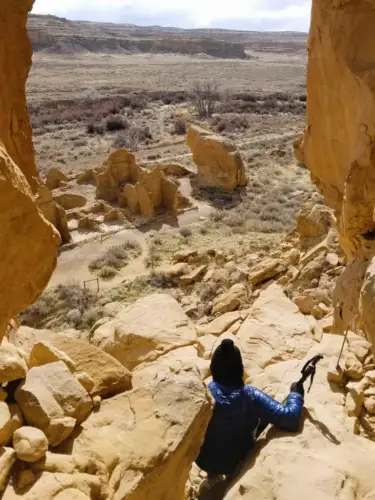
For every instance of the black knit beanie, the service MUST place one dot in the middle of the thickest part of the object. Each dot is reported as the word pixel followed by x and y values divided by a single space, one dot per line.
pixel 226 365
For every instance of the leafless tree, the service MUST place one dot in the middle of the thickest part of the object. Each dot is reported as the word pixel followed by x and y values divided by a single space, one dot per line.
pixel 205 96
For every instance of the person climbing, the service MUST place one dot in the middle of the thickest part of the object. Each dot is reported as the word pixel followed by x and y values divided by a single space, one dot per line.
pixel 240 414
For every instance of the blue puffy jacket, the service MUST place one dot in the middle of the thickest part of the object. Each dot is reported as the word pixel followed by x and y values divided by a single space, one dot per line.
pixel 237 416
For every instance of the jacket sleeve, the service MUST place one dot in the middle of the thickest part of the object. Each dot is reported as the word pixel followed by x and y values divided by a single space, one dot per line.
pixel 286 417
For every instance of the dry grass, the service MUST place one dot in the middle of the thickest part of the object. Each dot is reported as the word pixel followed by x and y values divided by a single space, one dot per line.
pixel 270 203
pixel 115 258
pixel 141 286
pixel 90 75
pixel 69 115
pixel 65 306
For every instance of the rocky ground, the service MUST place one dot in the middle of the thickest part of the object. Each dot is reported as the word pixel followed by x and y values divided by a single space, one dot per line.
pixel 274 300
pixel 174 246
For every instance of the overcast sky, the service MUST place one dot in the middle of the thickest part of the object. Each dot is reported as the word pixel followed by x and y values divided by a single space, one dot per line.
pixel 236 14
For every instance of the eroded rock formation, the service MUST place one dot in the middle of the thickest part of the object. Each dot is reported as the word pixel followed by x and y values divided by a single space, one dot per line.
pixel 53 212
pixel 145 191
pixel 338 144
pixel 219 162
pixel 28 243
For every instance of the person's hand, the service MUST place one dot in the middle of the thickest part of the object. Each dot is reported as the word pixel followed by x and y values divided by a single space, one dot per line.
pixel 297 387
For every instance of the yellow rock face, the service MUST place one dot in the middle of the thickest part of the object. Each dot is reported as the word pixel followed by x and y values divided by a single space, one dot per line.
pixel 339 137
pixel 219 162
pixel 28 244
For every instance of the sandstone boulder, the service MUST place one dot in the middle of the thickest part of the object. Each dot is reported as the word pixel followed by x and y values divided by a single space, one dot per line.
pixel 160 434
pixel 30 444
pixel 230 300
pixel 12 364
pixel 52 400
pixel 55 179
pixel 274 331
pixel 176 270
pixel 220 324
pixel 354 398
pixel 145 331
pixel 16 417
pixel 50 486
pixel 25 478
pixel 184 255
pixel 194 275
pixel 7 458
pixel 5 424
pixel 219 162
pixel 353 368
pixel 359 346
pixel 265 270
pixel 109 376
pixel 43 353
pixel 172 362
pixel 313 222
pixel 86 381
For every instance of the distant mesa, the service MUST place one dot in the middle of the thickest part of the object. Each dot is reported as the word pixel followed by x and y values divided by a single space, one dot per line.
pixel 57 35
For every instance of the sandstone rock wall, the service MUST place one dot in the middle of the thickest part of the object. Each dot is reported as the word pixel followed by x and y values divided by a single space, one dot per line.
pixel 15 57
pixel 339 137
pixel 27 242
pixel 53 212
pixel 338 144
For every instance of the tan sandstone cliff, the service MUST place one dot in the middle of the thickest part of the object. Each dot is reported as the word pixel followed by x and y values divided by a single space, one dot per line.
pixel 27 242
pixel 338 145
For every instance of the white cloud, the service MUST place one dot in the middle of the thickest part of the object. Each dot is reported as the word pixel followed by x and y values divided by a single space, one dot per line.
pixel 242 14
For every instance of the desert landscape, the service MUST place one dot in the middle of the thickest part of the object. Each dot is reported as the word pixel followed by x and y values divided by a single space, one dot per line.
pixel 162 190
pixel 146 103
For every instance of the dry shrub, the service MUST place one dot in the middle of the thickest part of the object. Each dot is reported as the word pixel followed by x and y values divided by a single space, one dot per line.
pixel 116 122
pixel 272 103
pixel 143 285
pixel 53 307
pixel 230 124
pixel 107 272
pixel 95 128
pixel 186 232
pixel 115 258
pixel 205 98
pixel 179 126
pixel 128 140
pixel 131 137
pixel 84 110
